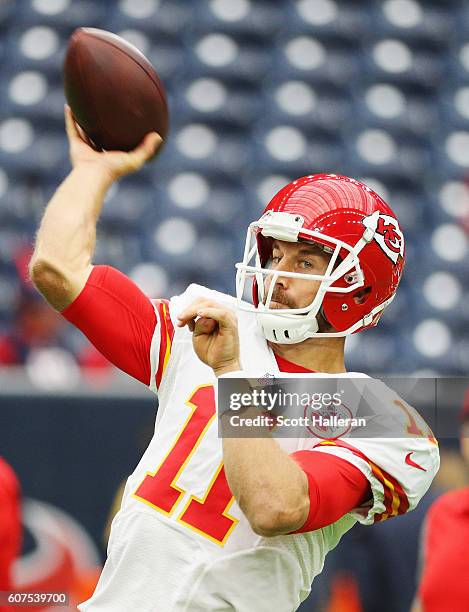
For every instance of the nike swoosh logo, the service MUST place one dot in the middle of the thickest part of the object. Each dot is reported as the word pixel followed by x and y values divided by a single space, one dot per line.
pixel 409 461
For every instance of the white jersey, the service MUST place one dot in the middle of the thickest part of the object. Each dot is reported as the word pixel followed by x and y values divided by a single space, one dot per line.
pixel 180 542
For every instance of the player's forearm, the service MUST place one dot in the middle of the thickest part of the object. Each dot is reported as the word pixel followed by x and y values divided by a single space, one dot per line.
pixel 68 229
pixel 66 238
pixel 270 488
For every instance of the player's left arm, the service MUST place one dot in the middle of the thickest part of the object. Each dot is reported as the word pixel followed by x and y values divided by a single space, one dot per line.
pixel 278 493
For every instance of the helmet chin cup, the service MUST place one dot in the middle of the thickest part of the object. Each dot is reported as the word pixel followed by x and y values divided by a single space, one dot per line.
pixel 286 330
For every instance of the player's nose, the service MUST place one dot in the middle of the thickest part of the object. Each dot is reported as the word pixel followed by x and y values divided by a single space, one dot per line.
pixel 283 281
pixel 279 281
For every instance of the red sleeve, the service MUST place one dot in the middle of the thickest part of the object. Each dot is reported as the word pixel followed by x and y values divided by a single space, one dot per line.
pixel 118 319
pixel 335 487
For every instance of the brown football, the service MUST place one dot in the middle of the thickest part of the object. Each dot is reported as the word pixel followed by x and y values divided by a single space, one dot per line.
pixel 114 92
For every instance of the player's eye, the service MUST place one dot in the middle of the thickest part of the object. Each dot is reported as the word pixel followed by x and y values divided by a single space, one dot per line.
pixel 276 259
pixel 304 263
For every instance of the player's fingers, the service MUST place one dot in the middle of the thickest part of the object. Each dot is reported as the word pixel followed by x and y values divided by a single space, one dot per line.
pixel 190 312
pixel 74 131
pixel 84 136
pixel 70 125
pixel 148 147
pixel 204 326
pixel 152 141
pixel 224 317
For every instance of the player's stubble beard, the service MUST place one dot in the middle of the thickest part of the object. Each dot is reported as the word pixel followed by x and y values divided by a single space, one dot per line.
pixel 283 300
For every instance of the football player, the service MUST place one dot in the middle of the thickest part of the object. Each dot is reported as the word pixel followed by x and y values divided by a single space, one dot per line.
pixel 236 524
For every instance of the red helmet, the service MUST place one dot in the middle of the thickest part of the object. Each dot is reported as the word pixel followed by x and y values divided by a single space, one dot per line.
pixel 350 221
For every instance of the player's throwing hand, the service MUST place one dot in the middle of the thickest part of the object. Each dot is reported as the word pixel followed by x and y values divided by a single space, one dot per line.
pixel 115 163
pixel 214 335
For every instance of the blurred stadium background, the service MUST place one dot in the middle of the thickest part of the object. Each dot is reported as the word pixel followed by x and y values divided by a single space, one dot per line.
pixel 260 92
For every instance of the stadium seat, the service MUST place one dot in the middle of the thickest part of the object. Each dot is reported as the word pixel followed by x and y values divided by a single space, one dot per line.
pixel 260 93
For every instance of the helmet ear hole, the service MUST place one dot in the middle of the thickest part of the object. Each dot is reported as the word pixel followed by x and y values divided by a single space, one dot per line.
pixel 361 296
pixel 255 293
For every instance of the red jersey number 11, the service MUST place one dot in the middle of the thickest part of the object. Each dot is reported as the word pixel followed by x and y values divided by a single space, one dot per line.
pixel 208 515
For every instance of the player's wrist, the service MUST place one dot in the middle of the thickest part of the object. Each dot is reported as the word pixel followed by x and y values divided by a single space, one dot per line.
pixel 100 173
pixel 229 369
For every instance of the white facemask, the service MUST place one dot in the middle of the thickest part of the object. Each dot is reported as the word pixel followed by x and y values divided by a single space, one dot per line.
pixel 293 325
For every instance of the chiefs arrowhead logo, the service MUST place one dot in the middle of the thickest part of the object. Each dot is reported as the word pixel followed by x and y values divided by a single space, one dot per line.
pixel 387 234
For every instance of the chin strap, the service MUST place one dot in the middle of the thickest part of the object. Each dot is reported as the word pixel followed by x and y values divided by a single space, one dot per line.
pixel 286 331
